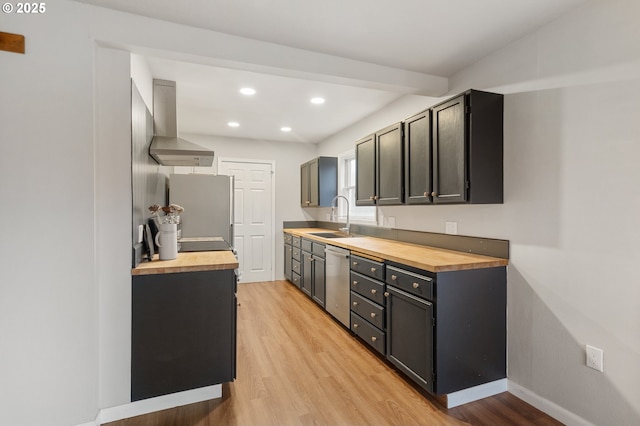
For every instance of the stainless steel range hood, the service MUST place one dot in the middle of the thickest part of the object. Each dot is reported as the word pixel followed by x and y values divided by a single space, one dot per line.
pixel 166 148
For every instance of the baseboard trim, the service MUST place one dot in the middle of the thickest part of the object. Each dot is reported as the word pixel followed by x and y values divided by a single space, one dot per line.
pixel 159 403
pixel 562 415
pixel 475 393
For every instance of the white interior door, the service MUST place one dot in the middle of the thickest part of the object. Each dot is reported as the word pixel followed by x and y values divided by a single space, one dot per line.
pixel 253 217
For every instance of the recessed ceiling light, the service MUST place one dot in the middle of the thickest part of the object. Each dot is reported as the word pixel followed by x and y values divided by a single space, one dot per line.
pixel 233 124
pixel 248 91
pixel 285 129
pixel 317 101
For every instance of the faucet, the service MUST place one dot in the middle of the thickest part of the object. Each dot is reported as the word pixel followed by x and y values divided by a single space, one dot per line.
pixel 346 228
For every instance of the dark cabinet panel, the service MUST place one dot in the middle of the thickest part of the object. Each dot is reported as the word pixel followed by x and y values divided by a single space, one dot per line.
pixel 319 280
pixel 307 273
pixel 389 165
pixel 183 332
pixel 313 278
pixel 417 158
pixel 410 336
pixel 467 134
pixel 366 171
pixel 318 182
pixel 288 261
pixel 379 168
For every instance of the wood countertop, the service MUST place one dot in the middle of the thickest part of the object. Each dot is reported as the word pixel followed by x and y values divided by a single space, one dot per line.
pixel 189 262
pixel 423 257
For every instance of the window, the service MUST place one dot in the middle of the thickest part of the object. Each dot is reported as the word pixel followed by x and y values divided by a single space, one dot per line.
pixel 347 188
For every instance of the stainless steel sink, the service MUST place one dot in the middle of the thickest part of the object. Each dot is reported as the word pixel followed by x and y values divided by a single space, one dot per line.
pixel 329 234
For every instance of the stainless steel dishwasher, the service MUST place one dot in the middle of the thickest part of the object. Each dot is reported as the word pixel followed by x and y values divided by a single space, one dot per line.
pixel 337 279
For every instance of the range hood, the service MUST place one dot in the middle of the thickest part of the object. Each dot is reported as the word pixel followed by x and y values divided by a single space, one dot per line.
pixel 166 148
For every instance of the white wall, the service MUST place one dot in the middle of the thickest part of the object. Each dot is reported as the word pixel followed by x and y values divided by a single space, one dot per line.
pixel 572 102
pixel 48 293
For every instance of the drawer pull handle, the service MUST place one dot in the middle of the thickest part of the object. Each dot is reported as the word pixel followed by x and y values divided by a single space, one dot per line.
pixel 355 303
pixel 355 325
pixel 374 338
pixel 374 291
pixel 426 194
pixel 373 314
pixel 373 269
pixel 394 278
pixel 416 285
pixel 386 294
pixel 355 283
pixel 355 263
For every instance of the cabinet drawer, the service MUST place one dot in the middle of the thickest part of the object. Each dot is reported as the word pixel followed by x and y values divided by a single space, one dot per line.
pixel 410 282
pixel 368 310
pixel 367 287
pixel 288 239
pixel 295 241
pixel 367 267
pixel 295 278
pixel 317 249
pixel 295 266
pixel 306 245
pixel 370 334
pixel 296 254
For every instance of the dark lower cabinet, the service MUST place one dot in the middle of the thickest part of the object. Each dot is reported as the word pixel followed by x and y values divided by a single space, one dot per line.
pixel 410 335
pixel 313 279
pixel 183 333
pixel 447 331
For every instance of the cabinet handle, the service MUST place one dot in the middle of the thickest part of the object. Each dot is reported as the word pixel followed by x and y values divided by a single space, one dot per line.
pixel 373 269
pixel 374 291
pixel 355 325
pixel 416 285
pixel 434 194
pixel 355 303
pixel 355 263
pixel 386 294
pixel 393 277
pixel 372 198
pixel 355 283
pixel 374 338
pixel 373 314
pixel 426 194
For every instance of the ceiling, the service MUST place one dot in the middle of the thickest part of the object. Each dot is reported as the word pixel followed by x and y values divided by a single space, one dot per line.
pixel 407 37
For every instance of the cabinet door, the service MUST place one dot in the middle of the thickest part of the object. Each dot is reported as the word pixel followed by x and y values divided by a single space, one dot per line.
pixel 389 170
pixel 305 196
pixel 288 264
pixel 410 336
pixel 450 181
pixel 319 280
pixel 366 171
pixel 307 273
pixel 417 158
pixel 314 185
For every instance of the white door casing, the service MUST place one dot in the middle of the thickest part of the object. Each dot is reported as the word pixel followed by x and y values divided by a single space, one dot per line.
pixel 253 221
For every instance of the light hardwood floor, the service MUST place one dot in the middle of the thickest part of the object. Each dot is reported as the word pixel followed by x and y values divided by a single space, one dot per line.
pixel 298 366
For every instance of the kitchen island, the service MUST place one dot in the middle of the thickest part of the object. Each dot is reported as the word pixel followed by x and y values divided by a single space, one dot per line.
pixel 183 323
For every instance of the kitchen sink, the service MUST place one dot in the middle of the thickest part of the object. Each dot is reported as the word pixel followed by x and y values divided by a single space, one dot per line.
pixel 329 234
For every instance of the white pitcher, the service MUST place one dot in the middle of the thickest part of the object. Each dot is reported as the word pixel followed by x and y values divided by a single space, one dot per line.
pixel 167 241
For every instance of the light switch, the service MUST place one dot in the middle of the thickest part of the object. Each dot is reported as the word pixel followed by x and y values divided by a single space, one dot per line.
pixel 140 232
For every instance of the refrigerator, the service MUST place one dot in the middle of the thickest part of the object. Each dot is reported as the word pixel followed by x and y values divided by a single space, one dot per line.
pixel 206 223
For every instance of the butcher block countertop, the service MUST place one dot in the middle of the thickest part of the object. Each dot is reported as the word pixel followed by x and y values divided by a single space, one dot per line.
pixel 189 262
pixel 423 257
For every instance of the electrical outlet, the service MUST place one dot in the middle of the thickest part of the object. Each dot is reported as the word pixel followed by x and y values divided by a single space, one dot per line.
pixel 595 358
pixel 391 221
pixel 451 228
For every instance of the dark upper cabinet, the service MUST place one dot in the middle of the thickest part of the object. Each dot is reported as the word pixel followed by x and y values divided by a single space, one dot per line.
pixel 379 168
pixel 318 182
pixel 389 165
pixel 417 158
pixel 467 134
pixel 366 171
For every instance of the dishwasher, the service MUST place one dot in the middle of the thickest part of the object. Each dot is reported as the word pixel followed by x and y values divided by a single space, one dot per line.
pixel 337 283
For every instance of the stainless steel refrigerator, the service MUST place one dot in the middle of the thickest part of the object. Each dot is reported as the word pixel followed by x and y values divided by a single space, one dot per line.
pixel 207 221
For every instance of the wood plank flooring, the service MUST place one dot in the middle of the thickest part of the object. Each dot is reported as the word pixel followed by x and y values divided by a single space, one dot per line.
pixel 298 366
